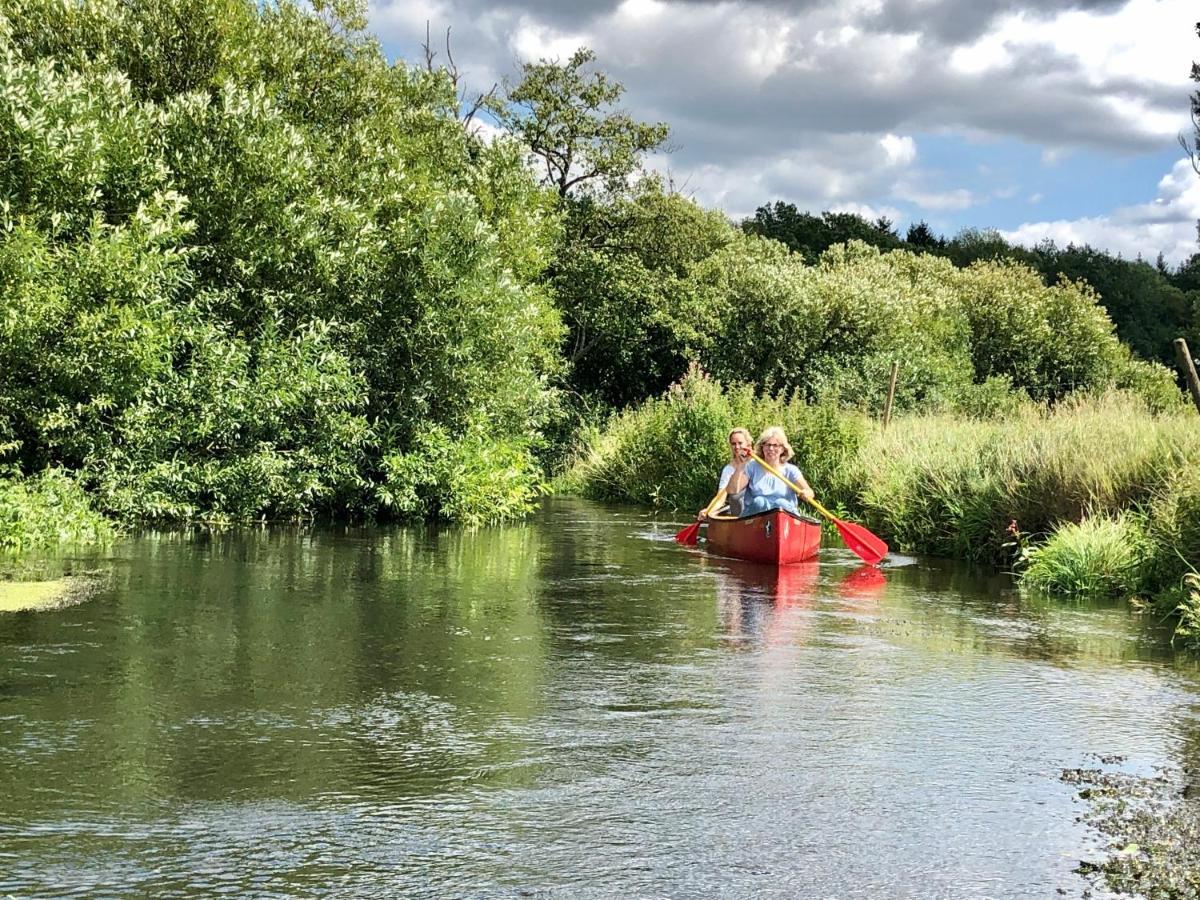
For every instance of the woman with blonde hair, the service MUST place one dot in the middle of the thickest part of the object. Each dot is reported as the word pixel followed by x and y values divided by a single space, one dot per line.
pixel 764 490
pixel 740 442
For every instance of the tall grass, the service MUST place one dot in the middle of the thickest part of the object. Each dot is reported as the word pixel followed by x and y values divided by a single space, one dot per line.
pixel 669 451
pixel 1100 556
pixel 943 485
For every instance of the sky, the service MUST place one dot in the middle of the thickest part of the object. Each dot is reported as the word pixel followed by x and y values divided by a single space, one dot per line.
pixel 1053 118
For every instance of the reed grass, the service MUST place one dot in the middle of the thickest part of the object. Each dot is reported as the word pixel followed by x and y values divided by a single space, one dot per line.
pixel 942 485
pixel 1101 492
pixel 1100 556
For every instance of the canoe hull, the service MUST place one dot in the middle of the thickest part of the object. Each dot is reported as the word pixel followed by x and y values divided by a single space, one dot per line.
pixel 775 536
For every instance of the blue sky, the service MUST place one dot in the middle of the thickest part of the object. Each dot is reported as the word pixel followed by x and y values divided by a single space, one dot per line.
pixel 1055 118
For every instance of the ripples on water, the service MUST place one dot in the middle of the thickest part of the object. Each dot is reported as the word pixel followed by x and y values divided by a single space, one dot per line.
pixel 572 708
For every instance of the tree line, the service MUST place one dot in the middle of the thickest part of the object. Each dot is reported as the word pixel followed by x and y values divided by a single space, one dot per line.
pixel 252 269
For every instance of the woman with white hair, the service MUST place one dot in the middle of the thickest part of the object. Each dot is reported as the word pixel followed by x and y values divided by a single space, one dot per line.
pixel 763 490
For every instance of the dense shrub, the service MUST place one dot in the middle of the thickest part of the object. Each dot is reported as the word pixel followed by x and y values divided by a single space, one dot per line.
pixel 44 510
pixel 245 262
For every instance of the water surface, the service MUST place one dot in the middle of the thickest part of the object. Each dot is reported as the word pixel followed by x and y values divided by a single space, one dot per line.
pixel 572 707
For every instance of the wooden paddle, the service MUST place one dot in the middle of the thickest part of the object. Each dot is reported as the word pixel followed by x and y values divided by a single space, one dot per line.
pixel 689 534
pixel 868 547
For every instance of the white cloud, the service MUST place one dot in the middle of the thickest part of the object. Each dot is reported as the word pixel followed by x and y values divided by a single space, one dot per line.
pixel 532 41
pixel 1166 225
pixel 822 102
pixel 959 198
pixel 898 151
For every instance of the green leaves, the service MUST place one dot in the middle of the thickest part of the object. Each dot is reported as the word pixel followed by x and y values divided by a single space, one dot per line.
pixel 246 260
pixel 560 112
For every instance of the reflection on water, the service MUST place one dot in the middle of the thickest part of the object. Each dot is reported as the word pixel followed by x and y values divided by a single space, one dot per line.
pixel 573 707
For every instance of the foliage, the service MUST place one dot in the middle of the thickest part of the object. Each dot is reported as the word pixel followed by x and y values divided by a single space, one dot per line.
pixel 46 509
pixel 810 236
pixel 621 280
pixel 1100 556
pixel 669 451
pixel 559 112
pixel 1148 311
pixel 474 480
pixel 832 330
pixel 1049 341
pixel 244 260
pixel 1149 306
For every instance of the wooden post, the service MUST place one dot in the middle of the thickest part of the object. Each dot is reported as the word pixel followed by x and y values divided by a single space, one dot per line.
pixel 1189 370
pixel 887 409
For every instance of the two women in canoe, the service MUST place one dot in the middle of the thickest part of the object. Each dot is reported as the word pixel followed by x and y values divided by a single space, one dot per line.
pixel 750 486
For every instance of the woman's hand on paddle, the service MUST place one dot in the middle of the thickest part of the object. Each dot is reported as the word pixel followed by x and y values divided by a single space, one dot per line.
pixel 807 493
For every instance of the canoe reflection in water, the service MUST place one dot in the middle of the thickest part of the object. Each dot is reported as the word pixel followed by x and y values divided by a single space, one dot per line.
pixel 759 603
pixel 766 604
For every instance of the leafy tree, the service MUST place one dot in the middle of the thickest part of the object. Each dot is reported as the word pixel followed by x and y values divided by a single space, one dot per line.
pixel 253 285
pixel 920 236
pixel 634 320
pixel 810 235
pixel 1147 310
pixel 562 114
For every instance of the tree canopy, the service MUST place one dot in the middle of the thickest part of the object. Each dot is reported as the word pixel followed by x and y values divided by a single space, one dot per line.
pixel 562 113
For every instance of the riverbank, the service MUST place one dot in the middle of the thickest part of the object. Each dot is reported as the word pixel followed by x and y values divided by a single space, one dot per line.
pixel 1009 490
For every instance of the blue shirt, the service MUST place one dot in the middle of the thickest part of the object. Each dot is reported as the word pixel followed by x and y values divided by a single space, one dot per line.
pixel 763 484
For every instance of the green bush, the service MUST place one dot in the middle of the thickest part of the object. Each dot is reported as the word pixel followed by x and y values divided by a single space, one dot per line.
pixel 244 260
pixel 669 451
pixel 474 481
pixel 1100 556
pixel 48 509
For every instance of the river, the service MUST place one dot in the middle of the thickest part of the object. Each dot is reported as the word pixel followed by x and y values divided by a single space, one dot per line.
pixel 571 707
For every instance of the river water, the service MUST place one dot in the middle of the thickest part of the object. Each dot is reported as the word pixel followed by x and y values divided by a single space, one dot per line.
pixel 572 707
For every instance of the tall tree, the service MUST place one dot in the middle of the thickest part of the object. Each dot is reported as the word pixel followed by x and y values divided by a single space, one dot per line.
pixel 564 115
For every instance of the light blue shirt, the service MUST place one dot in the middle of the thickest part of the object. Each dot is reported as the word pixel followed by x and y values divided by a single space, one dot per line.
pixel 763 484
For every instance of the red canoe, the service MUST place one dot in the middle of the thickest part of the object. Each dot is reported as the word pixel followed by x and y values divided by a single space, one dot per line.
pixel 773 536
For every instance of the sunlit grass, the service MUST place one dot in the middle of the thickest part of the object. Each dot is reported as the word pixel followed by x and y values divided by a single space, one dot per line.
pixel 1100 556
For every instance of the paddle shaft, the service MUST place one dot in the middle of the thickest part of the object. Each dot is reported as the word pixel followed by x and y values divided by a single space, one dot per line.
pixel 716 503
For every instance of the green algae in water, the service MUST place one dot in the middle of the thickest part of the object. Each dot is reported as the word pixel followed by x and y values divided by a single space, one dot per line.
pixel 1153 829
pixel 27 596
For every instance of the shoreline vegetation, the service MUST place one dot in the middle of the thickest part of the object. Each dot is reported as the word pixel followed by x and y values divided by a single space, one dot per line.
pixel 1095 495
pixel 252 270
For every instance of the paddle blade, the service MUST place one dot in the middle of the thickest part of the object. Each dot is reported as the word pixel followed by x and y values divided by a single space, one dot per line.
pixel 689 534
pixel 867 546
